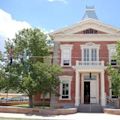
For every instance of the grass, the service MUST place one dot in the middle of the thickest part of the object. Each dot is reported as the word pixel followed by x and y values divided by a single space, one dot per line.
pixel 27 106
pixel 22 105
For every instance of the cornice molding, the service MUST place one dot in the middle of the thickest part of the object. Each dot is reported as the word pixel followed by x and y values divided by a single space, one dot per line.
pixel 90 45
pixel 86 37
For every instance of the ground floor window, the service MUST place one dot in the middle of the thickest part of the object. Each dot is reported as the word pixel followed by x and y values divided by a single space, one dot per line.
pixel 65 90
pixel 65 87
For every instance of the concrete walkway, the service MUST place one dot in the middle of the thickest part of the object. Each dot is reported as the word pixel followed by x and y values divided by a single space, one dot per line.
pixel 77 116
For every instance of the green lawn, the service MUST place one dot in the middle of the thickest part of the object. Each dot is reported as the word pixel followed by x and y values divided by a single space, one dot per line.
pixel 27 106
pixel 22 105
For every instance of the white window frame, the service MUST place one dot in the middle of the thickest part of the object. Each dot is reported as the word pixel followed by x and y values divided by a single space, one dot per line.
pixel 90 46
pixel 111 46
pixel 66 47
pixel 65 79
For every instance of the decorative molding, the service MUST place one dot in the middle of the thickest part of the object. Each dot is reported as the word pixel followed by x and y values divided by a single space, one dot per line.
pixel 90 45
pixel 87 37
pixel 65 77
pixel 66 46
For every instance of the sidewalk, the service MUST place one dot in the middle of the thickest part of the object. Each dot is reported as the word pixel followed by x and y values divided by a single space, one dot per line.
pixel 77 116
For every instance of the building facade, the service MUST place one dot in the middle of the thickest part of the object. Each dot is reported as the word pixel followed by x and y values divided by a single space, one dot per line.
pixel 84 50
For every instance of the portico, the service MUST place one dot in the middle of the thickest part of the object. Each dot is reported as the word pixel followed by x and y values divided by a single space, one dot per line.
pixel 90 84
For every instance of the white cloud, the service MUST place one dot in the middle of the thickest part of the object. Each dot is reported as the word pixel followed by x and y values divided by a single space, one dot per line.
pixel 62 1
pixel 9 26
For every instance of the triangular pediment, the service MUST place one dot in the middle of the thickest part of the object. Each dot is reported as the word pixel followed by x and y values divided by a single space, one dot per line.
pixel 90 31
pixel 87 24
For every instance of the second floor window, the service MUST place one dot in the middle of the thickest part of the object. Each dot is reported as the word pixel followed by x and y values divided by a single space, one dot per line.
pixel 112 59
pixel 90 54
pixel 112 54
pixel 66 50
pixel 66 57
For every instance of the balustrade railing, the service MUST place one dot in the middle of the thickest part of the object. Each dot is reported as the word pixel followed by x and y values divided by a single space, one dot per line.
pixel 90 63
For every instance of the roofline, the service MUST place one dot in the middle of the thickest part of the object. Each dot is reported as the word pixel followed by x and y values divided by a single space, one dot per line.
pixel 82 22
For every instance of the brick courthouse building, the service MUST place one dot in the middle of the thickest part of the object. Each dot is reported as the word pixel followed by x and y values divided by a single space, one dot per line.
pixel 84 50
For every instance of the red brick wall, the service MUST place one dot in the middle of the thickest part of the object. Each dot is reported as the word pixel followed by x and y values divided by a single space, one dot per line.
pixel 77 53
pixel 68 72
pixel 106 84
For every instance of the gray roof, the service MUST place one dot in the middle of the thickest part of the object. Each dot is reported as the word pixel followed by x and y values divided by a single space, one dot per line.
pixel 90 13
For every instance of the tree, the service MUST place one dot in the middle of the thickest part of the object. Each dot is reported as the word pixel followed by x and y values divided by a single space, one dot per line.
pixel 47 78
pixel 33 41
pixel 2 81
pixel 114 73
pixel 28 69
pixel 0 55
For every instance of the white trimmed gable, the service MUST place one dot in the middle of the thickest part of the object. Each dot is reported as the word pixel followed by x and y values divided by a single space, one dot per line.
pixel 86 24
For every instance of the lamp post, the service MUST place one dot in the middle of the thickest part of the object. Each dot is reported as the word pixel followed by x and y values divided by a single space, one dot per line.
pixel 90 75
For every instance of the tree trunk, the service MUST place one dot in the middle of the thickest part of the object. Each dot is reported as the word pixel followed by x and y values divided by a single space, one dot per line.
pixel 53 101
pixel 30 101
pixel 117 103
pixel 43 100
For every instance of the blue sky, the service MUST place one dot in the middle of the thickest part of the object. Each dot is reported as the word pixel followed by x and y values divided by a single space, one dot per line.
pixel 52 14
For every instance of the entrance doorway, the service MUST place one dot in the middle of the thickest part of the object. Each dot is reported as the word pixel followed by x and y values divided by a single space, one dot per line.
pixel 87 92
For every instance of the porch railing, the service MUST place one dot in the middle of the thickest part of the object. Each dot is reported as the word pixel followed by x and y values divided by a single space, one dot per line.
pixel 90 63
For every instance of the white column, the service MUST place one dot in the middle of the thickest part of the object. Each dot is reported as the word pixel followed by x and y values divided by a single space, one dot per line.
pixel 110 85
pixel 77 89
pixel 103 97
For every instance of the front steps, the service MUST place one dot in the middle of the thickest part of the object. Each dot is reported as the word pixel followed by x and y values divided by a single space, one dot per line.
pixel 90 108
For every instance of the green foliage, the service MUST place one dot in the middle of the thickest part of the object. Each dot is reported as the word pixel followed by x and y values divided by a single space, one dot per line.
pixel 32 40
pixel 114 72
pixel 2 80
pixel 0 55
pixel 115 77
pixel 28 85
pixel 46 75
pixel 31 75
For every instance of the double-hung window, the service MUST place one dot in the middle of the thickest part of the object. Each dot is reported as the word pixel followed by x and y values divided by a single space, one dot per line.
pixel 66 55
pixel 65 90
pixel 112 57
pixel 112 53
pixel 86 54
pixel 90 55
pixel 65 87
pixel 94 54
